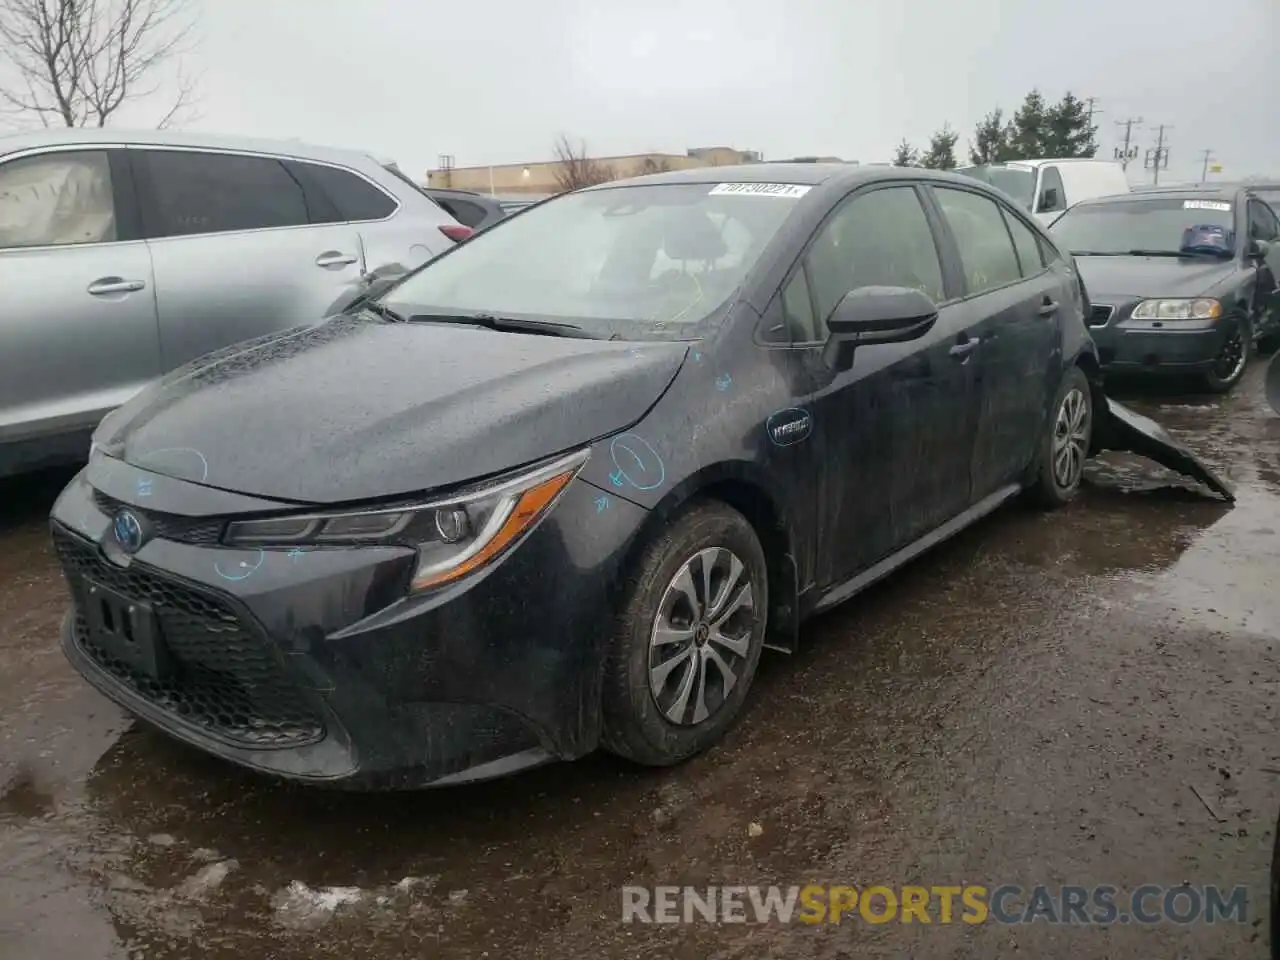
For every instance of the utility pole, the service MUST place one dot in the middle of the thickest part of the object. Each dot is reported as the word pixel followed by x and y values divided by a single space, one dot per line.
pixel 1158 157
pixel 1126 153
pixel 1092 102
pixel 1204 168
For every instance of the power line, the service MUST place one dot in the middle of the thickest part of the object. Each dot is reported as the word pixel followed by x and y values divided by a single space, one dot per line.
pixel 1126 153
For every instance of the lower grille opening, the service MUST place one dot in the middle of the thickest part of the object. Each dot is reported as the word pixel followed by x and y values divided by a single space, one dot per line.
pixel 1100 316
pixel 224 679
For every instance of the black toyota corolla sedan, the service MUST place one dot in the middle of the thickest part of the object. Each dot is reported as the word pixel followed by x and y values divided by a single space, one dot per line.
pixel 1181 280
pixel 558 488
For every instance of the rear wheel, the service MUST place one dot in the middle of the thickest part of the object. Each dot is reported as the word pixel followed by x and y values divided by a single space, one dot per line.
pixel 688 639
pixel 1065 444
pixel 1229 365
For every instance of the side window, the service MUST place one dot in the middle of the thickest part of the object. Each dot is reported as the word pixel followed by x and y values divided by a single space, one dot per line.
pixel 1052 197
pixel 195 193
pixel 57 199
pixel 338 196
pixel 880 238
pixel 1262 222
pixel 986 250
pixel 1026 243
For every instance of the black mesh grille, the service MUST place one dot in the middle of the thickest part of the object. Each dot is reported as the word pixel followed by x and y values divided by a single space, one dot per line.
pixel 225 679
pixel 167 526
pixel 1100 315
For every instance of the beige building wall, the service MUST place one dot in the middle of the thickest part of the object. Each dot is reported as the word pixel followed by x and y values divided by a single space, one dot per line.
pixel 540 176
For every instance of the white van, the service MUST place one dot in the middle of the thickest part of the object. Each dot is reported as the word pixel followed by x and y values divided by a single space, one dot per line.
pixel 1048 187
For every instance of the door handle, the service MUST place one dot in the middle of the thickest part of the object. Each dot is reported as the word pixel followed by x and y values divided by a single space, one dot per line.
pixel 334 258
pixel 108 285
pixel 961 351
pixel 1048 307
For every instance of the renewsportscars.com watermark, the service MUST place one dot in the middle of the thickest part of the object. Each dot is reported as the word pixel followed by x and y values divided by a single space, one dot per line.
pixel 1007 904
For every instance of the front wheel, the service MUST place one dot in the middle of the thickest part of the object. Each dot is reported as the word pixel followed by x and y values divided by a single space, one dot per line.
pixel 688 638
pixel 1229 365
pixel 1065 444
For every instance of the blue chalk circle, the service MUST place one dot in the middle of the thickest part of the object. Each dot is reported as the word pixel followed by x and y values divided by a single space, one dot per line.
pixel 296 553
pixel 181 458
pixel 241 571
pixel 724 382
pixel 789 426
pixel 602 503
pixel 697 356
pixel 144 486
pixel 637 463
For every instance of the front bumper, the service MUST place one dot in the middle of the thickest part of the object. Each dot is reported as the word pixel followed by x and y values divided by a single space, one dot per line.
pixel 1139 346
pixel 319 667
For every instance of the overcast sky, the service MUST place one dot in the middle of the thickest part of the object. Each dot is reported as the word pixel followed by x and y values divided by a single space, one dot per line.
pixel 495 81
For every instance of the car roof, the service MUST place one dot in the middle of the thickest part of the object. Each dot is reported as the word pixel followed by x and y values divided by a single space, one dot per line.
pixel 11 143
pixel 1207 192
pixel 804 174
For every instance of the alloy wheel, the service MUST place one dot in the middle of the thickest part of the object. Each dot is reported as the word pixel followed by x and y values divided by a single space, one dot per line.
pixel 1231 360
pixel 1071 439
pixel 701 636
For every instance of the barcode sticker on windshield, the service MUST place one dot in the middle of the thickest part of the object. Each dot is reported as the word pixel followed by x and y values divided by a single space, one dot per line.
pixel 789 190
pixel 1205 205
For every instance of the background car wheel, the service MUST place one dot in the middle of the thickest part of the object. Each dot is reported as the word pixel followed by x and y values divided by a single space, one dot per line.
pixel 1065 445
pixel 1229 365
pixel 687 639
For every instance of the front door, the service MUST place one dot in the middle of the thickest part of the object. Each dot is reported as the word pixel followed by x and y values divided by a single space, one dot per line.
pixel 78 326
pixel 1015 303
pixel 897 426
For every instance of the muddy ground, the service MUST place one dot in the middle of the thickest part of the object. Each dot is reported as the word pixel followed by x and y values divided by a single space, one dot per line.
pixel 1038 701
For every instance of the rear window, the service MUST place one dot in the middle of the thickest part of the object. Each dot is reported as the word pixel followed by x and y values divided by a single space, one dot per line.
pixel 1167 225
pixel 336 195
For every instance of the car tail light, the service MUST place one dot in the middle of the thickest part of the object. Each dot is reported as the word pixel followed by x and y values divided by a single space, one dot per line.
pixel 456 232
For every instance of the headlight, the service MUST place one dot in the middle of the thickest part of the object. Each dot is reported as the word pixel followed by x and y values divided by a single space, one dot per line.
pixel 1203 309
pixel 453 536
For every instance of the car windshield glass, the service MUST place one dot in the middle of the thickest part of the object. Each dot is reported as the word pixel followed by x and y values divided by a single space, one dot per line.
pixel 645 262
pixel 1015 182
pixel 1167 225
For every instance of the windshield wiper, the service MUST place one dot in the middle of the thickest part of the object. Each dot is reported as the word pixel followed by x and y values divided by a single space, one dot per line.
pixel 507 324
pixel 1164 253
pixel 382 310
pixel 1096 253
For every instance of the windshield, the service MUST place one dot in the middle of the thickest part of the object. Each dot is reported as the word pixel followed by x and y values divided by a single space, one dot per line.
pixel 1174 225
pixel 643 262
pixel 1017 183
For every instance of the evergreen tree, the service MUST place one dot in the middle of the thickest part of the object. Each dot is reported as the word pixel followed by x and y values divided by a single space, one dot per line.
pixel 1025 135
pixel 990 143
pixel 1067 129
pixel 941 154
pixel 906 155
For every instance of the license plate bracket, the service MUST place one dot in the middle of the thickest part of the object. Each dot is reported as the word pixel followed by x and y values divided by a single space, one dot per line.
pixel 127 630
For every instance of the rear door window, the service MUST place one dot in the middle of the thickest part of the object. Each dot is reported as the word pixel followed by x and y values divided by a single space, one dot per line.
pixel 986 249
pixel 57 199
pixel 1027 245
pixel 1053 197
pixel 192 192
pixel 341 196
pixel 1262 222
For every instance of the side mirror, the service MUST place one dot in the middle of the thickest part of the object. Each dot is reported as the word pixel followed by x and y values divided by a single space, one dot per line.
pixel 1257 249
pixel 874 315
pixel 1048 200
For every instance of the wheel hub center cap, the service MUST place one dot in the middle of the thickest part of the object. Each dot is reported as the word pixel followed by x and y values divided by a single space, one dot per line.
pixel 701 633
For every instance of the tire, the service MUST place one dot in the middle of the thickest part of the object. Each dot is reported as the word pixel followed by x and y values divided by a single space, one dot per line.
pixel 1065 444
pixel 1223 380
pixel 649 723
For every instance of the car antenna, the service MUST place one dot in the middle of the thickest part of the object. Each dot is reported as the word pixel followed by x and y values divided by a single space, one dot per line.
pixel 364 262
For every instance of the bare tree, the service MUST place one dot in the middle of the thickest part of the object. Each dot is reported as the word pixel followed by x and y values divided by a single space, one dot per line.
pixel 76 62
pixel 574 169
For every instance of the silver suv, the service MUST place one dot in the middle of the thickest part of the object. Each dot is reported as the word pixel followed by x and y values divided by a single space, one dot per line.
pixel 125 256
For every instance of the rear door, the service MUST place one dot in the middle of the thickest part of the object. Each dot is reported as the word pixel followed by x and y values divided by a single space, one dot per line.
pixel 897 427
pixel 1264 226
pixel 235 249
pixel 78 326
pixel 1013 302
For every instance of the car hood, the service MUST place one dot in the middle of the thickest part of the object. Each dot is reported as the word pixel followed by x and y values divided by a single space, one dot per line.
pixel 1112 277
pixel 357 408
